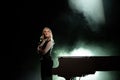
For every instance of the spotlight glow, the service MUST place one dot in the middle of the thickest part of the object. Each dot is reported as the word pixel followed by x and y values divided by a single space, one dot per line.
pixel 76 52
pixel 92 9
pixel 81 52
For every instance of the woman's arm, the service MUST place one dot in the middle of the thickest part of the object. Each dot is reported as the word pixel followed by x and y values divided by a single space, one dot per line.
pixel 48 47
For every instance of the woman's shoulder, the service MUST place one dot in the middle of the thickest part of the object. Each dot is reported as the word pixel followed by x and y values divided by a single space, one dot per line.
pixel 52 41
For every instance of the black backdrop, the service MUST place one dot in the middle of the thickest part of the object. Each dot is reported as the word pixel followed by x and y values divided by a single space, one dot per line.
pixel 32 16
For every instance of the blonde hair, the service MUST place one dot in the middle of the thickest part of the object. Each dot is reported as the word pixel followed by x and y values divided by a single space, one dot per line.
pixel 51 35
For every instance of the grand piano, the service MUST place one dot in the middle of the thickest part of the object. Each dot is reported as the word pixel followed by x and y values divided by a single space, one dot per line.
pixel 80 66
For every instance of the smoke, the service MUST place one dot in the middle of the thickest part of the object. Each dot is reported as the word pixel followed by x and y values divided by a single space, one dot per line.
pixel 92 10
pixel 101 75
pixel 83 48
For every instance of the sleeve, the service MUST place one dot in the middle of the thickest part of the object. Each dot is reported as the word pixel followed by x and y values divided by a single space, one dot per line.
pixel 42 43
pixel 48 47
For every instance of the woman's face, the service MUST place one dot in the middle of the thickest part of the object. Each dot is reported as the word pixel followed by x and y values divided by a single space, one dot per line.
pixel 46 32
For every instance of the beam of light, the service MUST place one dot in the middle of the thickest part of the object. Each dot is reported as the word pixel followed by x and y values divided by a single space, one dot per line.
pixel 92 9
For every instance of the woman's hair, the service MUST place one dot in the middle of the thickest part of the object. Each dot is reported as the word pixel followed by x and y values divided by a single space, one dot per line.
pixel 51 35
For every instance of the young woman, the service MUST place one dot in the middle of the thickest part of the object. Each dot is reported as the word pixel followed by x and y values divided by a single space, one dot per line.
pixel 44 50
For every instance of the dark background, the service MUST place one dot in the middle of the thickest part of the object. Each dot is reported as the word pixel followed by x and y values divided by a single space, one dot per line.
pixel 32 16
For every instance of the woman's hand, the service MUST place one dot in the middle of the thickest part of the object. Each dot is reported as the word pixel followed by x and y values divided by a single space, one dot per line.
pixel 40 50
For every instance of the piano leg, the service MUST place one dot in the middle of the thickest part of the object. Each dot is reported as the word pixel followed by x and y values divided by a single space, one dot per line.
pixel 69 78
pixel 74 78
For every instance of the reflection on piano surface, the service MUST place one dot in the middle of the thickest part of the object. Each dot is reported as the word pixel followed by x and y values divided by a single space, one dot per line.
pixel 80 66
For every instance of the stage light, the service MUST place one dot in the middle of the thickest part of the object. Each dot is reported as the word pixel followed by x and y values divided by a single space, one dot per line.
pixel 92 9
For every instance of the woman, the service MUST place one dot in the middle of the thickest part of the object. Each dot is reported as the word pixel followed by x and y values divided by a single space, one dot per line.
pixel 44 49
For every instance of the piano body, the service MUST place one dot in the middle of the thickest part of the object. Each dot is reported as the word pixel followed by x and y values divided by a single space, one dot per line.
pixel 80 66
